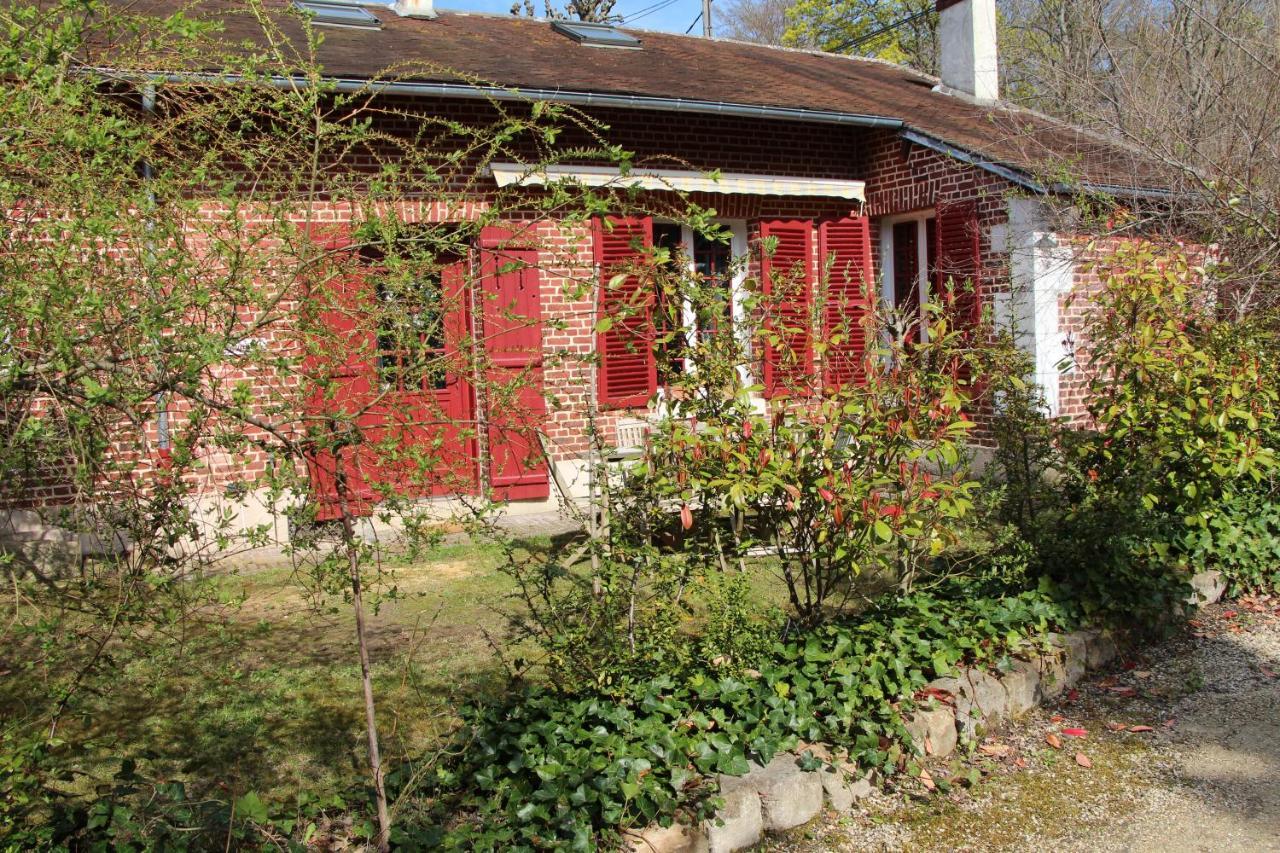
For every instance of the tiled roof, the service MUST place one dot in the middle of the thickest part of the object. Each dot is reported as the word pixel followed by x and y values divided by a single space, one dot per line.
pixel 528 54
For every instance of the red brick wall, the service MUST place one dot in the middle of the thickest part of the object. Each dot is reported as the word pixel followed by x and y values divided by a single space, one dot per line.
pixel 900 177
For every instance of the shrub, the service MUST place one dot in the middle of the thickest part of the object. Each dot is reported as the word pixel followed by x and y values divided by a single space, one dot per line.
pixel 1179 405
pixel 1242 540
pixel 542 769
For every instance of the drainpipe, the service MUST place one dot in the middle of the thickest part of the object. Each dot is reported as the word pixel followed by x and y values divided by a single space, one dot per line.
pixel 148 177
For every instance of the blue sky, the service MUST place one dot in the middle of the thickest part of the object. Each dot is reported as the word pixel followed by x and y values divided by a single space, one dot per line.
pixel 672 15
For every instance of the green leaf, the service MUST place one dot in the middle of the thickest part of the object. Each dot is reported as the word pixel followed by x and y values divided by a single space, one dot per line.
pixel 252 807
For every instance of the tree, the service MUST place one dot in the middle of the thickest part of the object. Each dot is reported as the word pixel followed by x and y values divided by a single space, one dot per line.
pixel 595 11
pixel 1192 87
pixel 195 270
pixel 899 31
pixel 763 21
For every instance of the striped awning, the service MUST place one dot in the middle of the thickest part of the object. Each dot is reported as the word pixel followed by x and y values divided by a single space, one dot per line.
pixel 725 183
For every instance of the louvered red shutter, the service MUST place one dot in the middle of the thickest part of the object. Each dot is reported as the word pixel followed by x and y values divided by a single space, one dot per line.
pixel 788 277
pixel 628 369
pixel 342 367
pixel 844 251
pixel 956 278
pixel 511 335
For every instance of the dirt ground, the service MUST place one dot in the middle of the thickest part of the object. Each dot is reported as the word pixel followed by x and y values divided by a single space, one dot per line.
pixel 1176 749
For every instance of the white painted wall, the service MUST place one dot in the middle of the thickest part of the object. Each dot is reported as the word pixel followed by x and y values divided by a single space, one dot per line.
pixel 1042 272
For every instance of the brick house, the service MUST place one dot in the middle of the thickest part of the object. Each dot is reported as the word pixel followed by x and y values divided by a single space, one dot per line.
pixel 903 176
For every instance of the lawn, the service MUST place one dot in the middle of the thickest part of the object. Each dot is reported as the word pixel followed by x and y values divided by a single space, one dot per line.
pixel 266 695
pixel 263 692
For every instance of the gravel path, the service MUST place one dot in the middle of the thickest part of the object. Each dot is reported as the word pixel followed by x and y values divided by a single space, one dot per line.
pixel 1204 777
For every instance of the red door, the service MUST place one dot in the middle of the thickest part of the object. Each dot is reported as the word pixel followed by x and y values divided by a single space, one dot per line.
pixel 511 337
pixel 392 407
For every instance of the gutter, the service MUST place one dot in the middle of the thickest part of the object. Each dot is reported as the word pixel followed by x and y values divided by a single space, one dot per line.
pixel 583 99
pixel 1022 179
pixel 1013 175
pixel 675 105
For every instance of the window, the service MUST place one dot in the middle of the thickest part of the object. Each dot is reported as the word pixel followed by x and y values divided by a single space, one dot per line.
pixel 644 339
pixel 337 15
pixel 713 261
pixel 934 258
pixel 908 248
pixel 595 35
pixel 411 354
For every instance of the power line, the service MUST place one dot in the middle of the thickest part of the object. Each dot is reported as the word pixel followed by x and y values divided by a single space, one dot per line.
pixel 694 24
pixel 647 11
pixel 854 44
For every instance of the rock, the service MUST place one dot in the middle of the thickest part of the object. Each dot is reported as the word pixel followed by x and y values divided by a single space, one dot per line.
pixel 843 787
pixel 676 838
pixel 740 822
pixel 1022 684
pixel 789 796
pixel 966 714
pixel 1075 655
pixel 986 693
pixel 1053 673
pixel 933 731
pixel 1207 588
pixel 1101 649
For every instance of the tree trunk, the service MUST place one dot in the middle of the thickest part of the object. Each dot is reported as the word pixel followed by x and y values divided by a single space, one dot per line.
pixel 383 842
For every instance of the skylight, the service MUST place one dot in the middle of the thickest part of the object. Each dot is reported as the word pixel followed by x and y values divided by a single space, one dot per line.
pixel 337 15
pixel 595 35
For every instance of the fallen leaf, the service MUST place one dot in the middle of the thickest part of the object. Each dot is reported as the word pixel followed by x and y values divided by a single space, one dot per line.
pixel 1141 673
pixel 928 745
pixel 1268 673
pixel 1127 692
pixel 999 750
pixel 1109 681
pixel 1129 665
pixel 1229 614
pixel 1169 723
pixel 1137 730
pixel 1053 740
pixel 927 780
pixel 938 693
pixel 1056 718
pixel 1116 727
pixel 1083 760
pixel 1075 732
pixel 1073 695
pixel 1020 762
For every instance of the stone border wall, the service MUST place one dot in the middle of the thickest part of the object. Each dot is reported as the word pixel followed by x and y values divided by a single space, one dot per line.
pixel 780 795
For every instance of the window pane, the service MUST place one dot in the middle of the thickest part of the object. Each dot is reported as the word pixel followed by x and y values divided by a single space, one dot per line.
pixel 332 13
pixel 712 261
pixel 597 34
pixel 411 335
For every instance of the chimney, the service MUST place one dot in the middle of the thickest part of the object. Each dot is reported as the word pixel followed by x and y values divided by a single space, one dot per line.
pixel 967 38
pixel 415 8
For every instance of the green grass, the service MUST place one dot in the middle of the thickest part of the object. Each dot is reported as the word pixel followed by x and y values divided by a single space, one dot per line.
pixel 263 694
pixel 266 696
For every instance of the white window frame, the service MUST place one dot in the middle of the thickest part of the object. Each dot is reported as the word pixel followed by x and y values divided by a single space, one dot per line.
pixel 737 292
pixel 921 218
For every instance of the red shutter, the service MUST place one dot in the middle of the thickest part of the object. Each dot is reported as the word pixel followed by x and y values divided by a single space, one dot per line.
pixel 844 252
pixel 788 275
pixel 628 369
pixel 341 369
pixel 957 276
pixel 511 332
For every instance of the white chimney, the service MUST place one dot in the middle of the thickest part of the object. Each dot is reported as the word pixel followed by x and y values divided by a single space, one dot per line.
pixel 415 8
pixel 967 38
